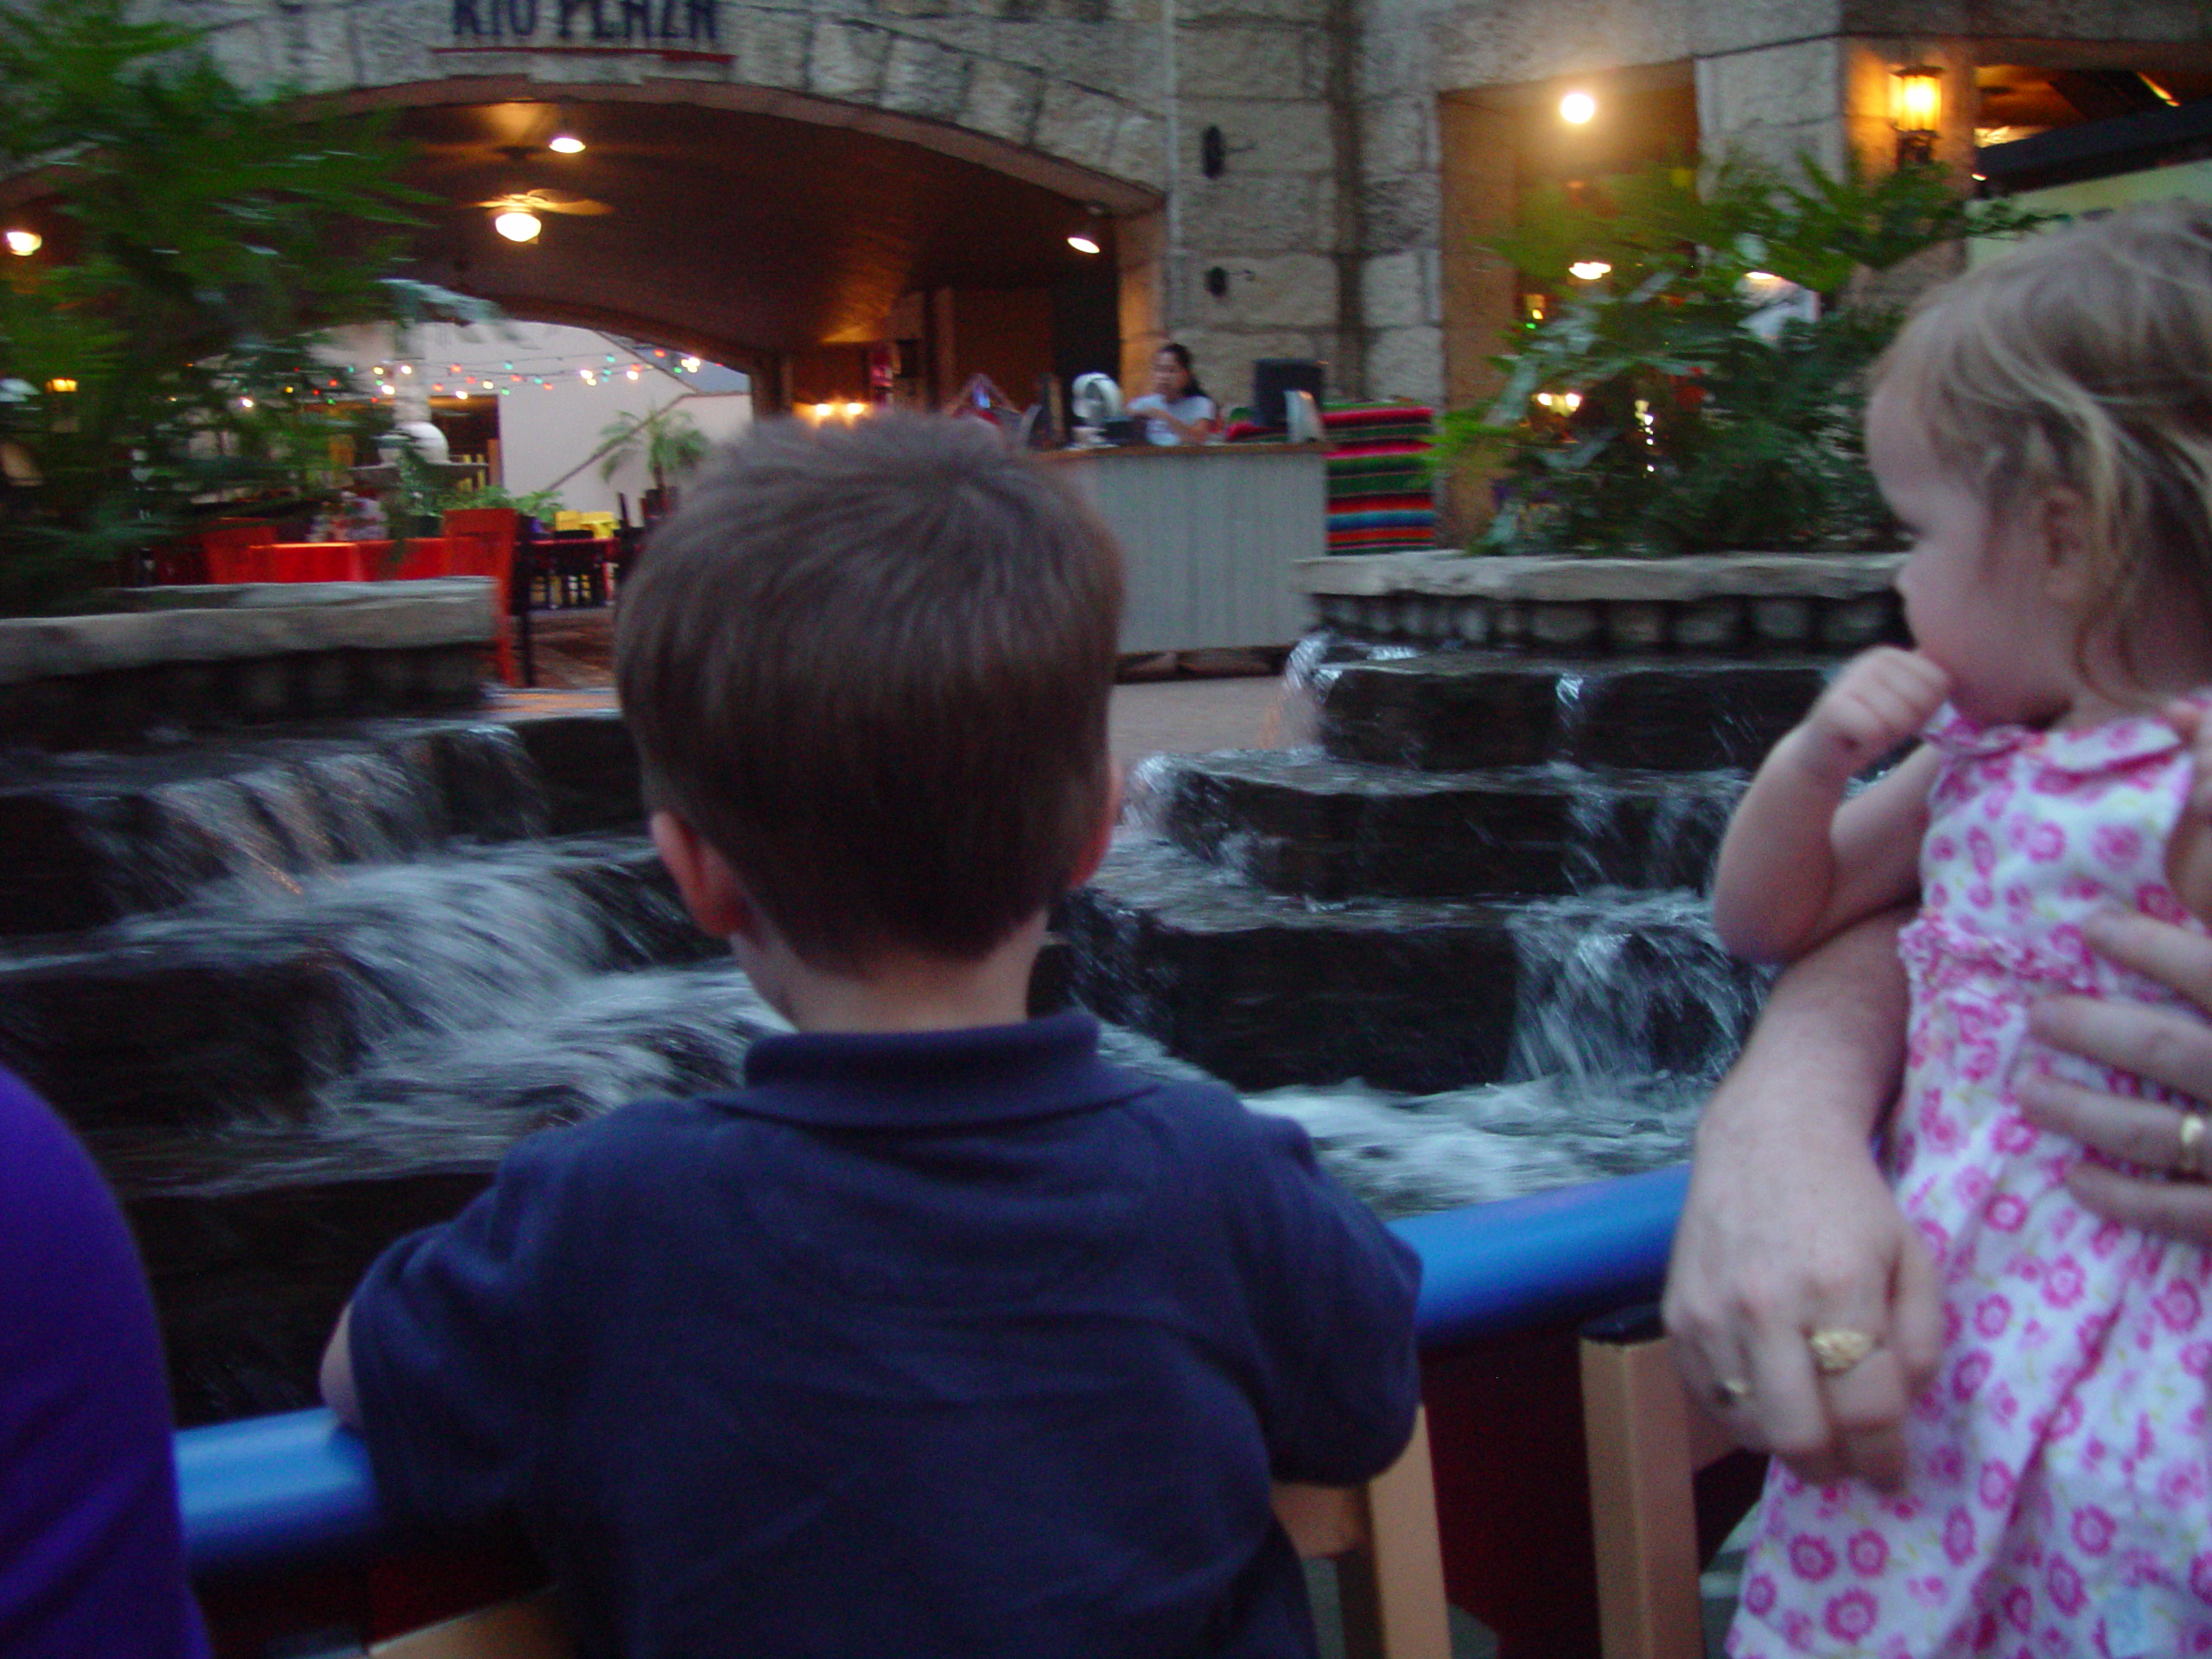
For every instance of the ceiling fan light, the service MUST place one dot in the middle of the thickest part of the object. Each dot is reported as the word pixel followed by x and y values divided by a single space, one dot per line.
pixel 517 225
pixel 565 143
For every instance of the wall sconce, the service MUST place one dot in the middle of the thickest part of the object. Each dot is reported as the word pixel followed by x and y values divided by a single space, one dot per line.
pixel 1916 111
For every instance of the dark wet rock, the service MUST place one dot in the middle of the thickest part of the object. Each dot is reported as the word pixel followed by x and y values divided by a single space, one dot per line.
pixel 1265 990
pixel 1459 711
pixel 244 1005
pixel 1302 822
pixel 1262 990
pixel 96 837
pixel 589 769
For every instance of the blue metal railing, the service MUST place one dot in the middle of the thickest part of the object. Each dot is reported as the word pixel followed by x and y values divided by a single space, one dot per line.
pixel 270 1491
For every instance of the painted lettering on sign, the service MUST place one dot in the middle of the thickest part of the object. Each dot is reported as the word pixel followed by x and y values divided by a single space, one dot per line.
pixel 596 22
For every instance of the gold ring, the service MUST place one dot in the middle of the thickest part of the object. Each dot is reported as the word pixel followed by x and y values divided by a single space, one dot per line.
pixel 1729 1393
pixel 2189 1161
pixel 1836 1351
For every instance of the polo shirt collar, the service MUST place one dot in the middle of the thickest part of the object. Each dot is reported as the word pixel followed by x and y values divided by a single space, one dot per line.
pixel 932 1079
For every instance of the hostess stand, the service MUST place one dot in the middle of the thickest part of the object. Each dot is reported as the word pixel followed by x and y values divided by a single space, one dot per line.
pixel 1212 533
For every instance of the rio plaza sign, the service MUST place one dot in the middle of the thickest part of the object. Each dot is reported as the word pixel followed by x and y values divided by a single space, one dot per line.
pixel 650 23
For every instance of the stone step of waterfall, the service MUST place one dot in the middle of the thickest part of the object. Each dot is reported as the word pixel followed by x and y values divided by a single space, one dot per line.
pixel 1266 991
pixel 241 1003
pixel 97 835
pixel 1301 821
pixel 1461 711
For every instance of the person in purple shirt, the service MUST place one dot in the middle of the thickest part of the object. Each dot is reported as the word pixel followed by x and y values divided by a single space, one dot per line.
pixel 91 1553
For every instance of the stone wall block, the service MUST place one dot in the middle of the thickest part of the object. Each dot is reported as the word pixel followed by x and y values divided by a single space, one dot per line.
pixel 1636 626
pixel 1079 125
pixel 1783 87
pixel 770 47
pixel 1406 213
pixel 1566 627
pixel 1294 289
pixel 1399 290
pixel 1405 362
pixel 1782 621
pixel 1261 213
pixel 1709 624
pixel 1140 152
pixel 393 42
pixel 1250 60
pixel 919 79
pixel 1397 135
pixel 1263 135
pixel 1253 11
pixel 1852 624
pixel 847 60
pixel 1718 26
pixel 1002 99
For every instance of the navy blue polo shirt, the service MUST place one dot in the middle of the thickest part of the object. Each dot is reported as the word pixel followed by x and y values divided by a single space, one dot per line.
pixel 962 1343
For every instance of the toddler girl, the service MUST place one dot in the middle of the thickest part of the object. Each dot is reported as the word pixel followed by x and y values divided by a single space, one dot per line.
pixel 2042 430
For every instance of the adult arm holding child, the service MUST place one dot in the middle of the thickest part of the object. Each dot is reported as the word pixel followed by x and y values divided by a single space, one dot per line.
pixel 1800 862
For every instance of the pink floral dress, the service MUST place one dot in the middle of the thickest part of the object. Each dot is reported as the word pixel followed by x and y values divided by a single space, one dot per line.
pixel 2057 1498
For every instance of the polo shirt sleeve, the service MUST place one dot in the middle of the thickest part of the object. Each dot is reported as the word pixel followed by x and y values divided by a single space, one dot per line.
pixel 1340 1380
pixel 449 1340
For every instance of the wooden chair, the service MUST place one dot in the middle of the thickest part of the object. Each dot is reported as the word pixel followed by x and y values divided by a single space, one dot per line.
pixel 1647 1438
pixel 480 541
pixel 1383 1537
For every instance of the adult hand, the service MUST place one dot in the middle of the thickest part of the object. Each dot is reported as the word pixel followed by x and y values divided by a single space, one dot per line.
pixel 1790 1227
pixel 2163 1045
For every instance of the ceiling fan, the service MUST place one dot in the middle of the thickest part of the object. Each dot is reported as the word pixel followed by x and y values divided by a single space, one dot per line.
pixel 514 215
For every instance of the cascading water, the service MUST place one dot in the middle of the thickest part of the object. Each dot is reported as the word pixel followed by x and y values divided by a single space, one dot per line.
pixel 300 992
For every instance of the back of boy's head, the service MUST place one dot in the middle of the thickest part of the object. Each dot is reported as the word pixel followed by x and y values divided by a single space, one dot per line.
pixel 2082 360
pixel 870 665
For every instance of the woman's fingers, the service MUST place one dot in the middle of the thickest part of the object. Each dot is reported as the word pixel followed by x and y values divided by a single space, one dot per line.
pixel 2172 955
pixel 2145 1132
pixel 2161 1045
pixel 2170 1208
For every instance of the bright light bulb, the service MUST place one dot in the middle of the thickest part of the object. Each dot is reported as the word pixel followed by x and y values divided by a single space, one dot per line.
pixel 691 365
pixel 565 143
pixel 407 368
pixel 632 371
pixel 854 411
pixel 1082 243
pixel 1572 400
pixel 1577 108
pixel 1588 270
pixel 23 244
pixel 63 384
pixel 517 226
pixel 245 403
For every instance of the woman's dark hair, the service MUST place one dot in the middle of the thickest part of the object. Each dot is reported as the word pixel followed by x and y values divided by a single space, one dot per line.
pixel 1181 353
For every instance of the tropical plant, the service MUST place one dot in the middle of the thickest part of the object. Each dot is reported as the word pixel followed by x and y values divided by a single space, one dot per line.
pixel 666 439
pixel 1705 391
pixel 534 503
pixel 163 342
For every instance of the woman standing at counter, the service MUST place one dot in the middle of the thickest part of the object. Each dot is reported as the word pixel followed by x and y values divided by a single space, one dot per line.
pixel 1177 409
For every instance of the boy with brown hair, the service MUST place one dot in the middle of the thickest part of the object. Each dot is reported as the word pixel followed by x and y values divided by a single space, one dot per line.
pixel 940 1335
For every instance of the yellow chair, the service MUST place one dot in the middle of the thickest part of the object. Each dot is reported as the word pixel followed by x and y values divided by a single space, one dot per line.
pixel 1382 1536
pixel 1647 1440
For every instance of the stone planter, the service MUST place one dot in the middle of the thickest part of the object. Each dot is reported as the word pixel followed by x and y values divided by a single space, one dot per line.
pixel 191 658
pixel 1721 605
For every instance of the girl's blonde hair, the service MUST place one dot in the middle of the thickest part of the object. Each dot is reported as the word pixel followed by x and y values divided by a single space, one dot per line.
pixel 2083 361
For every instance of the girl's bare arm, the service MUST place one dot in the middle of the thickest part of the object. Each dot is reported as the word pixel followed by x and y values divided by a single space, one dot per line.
pixel 1799 862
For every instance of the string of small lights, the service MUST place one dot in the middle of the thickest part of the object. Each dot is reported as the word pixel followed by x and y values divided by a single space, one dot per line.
pixel 452 379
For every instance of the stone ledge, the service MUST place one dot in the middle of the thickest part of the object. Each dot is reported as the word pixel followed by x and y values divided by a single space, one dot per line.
pixel 1719 605
pixel 1458 575
pixel 251 619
